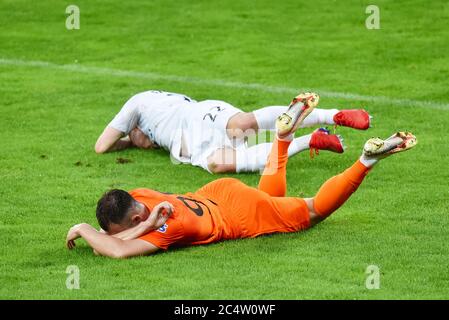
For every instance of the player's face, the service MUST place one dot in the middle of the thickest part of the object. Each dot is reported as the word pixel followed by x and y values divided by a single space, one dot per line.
pixel 140 139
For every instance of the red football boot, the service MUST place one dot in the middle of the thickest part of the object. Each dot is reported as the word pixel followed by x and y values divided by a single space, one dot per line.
pixel 322 140
pixel 356 118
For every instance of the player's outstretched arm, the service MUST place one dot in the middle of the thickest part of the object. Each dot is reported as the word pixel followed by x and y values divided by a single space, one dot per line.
pixel 111 140
pixel 107 245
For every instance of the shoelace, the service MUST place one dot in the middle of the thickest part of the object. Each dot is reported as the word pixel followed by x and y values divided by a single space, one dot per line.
pixel 313 152
pixel 316 151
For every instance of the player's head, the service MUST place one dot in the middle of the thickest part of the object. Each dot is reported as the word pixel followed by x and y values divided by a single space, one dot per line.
pixel 118 211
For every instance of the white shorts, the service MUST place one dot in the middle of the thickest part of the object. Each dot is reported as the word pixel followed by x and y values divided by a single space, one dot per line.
pixel 204 130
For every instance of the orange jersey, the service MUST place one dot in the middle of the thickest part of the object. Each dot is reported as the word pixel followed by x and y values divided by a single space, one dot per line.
pixel 223 209
pixel 196 220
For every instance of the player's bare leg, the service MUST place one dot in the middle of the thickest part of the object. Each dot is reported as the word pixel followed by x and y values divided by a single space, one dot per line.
pixel 222 160
pixel 336 191
pixel 241 125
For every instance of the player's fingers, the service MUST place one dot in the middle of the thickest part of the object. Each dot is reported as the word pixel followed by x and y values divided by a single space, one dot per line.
pixel 162 205
pixel 170 208
pixel 166 208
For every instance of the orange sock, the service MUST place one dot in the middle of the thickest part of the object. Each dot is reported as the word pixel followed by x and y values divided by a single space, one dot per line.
pixel 335 191
pixel 273 180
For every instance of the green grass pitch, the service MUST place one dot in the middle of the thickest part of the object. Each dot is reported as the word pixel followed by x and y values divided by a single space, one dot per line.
pixel 60 87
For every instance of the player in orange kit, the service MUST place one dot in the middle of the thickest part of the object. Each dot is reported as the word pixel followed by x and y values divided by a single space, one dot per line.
pixel 143 221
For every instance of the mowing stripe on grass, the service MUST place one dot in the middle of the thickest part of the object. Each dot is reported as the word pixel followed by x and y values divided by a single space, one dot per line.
pixel 221 83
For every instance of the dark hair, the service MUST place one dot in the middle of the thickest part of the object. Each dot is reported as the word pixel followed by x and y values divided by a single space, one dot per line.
pixel 113 207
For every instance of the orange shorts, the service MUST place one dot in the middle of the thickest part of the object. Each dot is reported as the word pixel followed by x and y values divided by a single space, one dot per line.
pixel 248 212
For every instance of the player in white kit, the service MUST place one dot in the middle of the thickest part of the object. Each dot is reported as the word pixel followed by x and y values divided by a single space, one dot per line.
pixel 211 134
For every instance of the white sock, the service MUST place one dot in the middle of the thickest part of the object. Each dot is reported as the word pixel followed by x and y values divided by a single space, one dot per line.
pixel 299 144
pixel 319 116
pixel 266 117
pixel 368 162
pixel 254 158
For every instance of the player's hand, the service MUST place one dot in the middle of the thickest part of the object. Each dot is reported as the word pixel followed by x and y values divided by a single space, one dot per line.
pixel 160 214
pixel 72 235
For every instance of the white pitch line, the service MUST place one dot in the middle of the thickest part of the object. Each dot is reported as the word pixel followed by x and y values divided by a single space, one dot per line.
pixel 220 83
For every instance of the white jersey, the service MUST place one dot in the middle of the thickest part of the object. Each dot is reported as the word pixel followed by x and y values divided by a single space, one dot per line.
pixel 158 114
pixel 169 118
